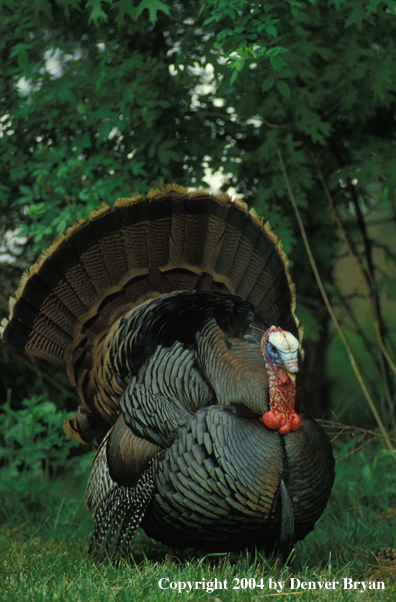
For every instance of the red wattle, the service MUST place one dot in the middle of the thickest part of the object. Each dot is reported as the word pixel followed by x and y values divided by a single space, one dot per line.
pixel 295 421
pixel 285 429
pixel 275 420
pixel 272 420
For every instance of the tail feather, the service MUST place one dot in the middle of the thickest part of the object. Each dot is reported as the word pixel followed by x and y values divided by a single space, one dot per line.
pixel 244 254
pixel 117 509
pixel 90 254
pixel 173 240
pixel 108 234
pixel 230 240
pixel 188 233
pixel 287 536
pixel 75 280
pixel 132 219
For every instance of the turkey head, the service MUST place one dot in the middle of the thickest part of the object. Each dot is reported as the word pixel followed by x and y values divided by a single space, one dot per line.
pixel 280 352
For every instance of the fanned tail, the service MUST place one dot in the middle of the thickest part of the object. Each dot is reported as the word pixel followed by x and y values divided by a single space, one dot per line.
pixel 101 269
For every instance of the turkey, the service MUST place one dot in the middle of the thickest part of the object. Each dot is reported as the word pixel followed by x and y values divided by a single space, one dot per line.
pixel 173 316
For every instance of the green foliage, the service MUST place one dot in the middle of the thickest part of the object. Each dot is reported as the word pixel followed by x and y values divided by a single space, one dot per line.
pixel 33 445
pixel 103 99
pixel 112 117
pixel 126 7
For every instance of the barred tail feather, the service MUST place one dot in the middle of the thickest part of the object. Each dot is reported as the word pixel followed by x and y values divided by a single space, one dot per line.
pixel 117 510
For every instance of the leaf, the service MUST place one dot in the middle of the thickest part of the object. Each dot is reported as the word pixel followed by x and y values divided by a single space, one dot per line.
pixel 105 130
pixel 271 30
pixel 372 6
pixel 23 231
pixel 210 20
pixel 310 123
pixel 283 88
pixel 356 16
pixel 275 51
pixel 383 77
pixel 20 51
pixel 125 7
pixel 284 73
pixel 85 194
pixel 234 75
pixel 277 63
pixel 25 199
pixel 67 4
pixel 62 225
pixel 164 152
pixel 26 191
pixel 268 82
pixel 153 6
pixel 42 6
pixel 37 209
pixel 97 13
pixel 137 168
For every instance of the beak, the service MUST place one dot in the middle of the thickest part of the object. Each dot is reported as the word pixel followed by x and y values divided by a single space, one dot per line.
pixel 292 376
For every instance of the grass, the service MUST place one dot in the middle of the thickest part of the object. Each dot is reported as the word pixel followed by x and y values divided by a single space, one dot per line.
pixel 44 535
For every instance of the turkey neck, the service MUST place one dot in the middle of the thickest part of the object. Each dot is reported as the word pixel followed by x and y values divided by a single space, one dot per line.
pixel 282 396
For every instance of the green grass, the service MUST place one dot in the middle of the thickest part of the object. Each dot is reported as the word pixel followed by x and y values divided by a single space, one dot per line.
pixel 44 535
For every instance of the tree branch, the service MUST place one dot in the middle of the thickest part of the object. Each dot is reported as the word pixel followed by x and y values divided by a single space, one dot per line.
pixel 360 270
pixel 330 309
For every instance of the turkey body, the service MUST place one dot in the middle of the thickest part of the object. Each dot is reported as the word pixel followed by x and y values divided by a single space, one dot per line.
pixel 157 310
pixel 225 488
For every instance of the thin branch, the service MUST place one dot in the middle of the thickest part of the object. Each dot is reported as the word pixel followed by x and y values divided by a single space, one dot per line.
pixel 372 302
pixel 345 429
pixel 357 328
pixel 274 125
pixel 348 428
pixel 356 449
pixel 381 222
pixel 330 309
pixel 228 117
pixel 375 357
pixel 393 205
pixel 358 267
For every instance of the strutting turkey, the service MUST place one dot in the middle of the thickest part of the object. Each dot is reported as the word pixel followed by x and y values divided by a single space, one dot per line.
pixel 174 318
